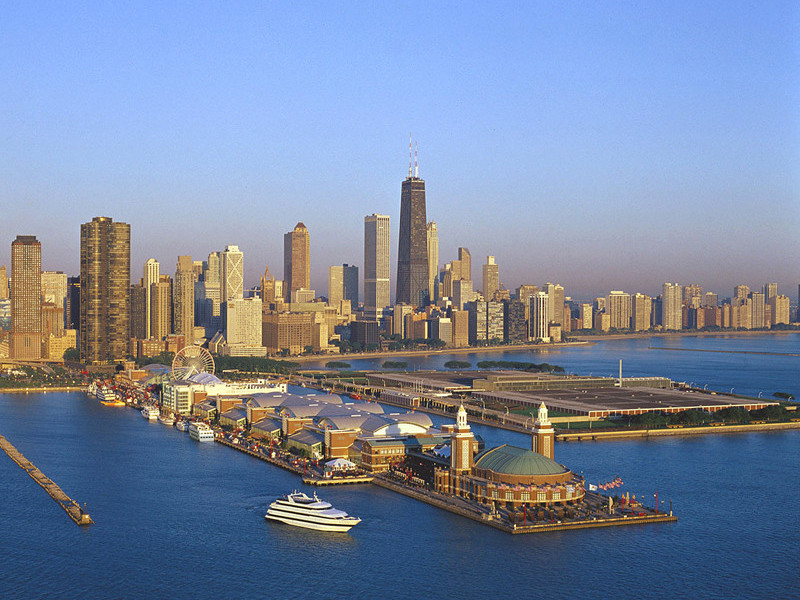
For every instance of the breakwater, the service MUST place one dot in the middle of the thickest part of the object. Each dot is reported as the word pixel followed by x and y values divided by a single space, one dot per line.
pixel 70 506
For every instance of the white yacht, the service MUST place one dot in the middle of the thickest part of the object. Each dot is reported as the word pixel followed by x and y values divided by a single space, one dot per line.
pixel 182 425
pixel 167 420
pixel 201 432
pixel 300 510
pixel 150 413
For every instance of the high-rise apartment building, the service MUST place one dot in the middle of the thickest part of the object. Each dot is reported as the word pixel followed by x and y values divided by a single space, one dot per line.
pixel 618 307
pixel 671 311
pixel 433 260
pixel 759 320
pixel 586 316
pixel 692 295
pixel 710 299
pixel 183 299
pixel 412 251
pixel 555 298
pixel 105 290
pixel 139 301
pixel 377 296
pixel 161 307
pixel 770 291
pixel 150 274
pixel 740 292
pixel 26 298
pixel 231 274
pixel 641 312
pixel 515 327
pixel 491 278
pixel 779 310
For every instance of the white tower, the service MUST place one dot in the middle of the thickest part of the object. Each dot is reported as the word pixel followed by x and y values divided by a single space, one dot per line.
pixel 543 434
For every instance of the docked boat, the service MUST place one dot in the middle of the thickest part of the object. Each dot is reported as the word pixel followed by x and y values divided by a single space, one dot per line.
pixel 182 425
pixel 201 432
pixel 167 420
pixel 150 413
pixel 312 513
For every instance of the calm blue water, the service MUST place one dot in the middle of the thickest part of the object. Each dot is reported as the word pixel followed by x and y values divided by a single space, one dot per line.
pixel 183 520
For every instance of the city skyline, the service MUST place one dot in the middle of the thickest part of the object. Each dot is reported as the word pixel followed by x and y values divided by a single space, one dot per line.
pixel 603 147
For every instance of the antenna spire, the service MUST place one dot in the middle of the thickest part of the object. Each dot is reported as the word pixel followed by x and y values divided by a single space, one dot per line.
pixel 416 164
pixel 409 155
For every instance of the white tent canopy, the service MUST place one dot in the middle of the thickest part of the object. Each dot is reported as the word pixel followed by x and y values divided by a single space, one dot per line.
pixel 340 463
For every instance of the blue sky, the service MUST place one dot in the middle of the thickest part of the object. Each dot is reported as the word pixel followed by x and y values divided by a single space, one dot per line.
pixel 601 145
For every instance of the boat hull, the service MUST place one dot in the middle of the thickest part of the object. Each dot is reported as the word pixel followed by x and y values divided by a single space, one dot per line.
pixel 298 521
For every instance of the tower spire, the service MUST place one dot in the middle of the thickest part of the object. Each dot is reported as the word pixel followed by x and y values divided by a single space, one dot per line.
pixel 416 164
pixel 409 155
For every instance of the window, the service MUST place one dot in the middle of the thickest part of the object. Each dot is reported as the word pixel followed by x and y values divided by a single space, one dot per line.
pixel 525 496
pixel 509 495
pixel 541 496
pixel 557 495
pixel 495 495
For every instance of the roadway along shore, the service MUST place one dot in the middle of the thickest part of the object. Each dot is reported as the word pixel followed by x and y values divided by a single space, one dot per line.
pixel 599 435
pixel 447 351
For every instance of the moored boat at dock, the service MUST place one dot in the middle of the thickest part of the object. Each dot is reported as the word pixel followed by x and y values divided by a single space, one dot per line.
pixel 182 425
pixel 150 413
pixel 300 510
pixel 201 432
pixel 167 420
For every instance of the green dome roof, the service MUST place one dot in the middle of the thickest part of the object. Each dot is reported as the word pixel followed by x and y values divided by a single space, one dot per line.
pixel 517 461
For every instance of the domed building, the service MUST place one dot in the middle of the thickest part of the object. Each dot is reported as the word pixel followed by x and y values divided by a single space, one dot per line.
pixel 508 474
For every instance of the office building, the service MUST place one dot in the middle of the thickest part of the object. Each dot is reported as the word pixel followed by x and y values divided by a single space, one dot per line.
pixel 139 301
pixel 412 251
pixel 73 316
pixel 287 332
pixel 555 299
pixel 296 260
pixel 183 299
pixel 433 261
pixel 491 278
pixel 231 274
pixel 759 320
pixel 4 291
pixel 25 342
pixel 105 290
pixel 515 326
pixel 243 324
pixel 150 275
pixel 377 296
pixel 540 317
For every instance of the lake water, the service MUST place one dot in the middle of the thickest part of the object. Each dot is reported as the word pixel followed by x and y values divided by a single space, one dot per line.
pixel 178 519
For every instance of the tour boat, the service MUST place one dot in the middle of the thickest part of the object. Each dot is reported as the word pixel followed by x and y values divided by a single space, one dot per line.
pixel 201 432
pixel 182 425
pixel 167 420
pixel 312 513
pixel 150 413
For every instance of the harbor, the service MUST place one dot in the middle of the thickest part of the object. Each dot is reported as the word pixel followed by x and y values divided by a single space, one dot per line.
pixel 70 506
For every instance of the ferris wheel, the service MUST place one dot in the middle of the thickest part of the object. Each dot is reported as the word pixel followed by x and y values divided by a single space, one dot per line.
pixel 191 360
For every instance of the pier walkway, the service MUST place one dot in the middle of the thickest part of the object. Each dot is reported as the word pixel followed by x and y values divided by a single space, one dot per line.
pixel 70 506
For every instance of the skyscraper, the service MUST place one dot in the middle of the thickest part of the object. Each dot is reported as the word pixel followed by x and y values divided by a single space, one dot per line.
pixel 183 299
pixel 150 275
pixel 671 312
pixel 232 274
pixel 465 259
pixel 491 278
pixel 377 295
pixel 433 260
pixel 54 290
pixel 350 284
pixel 540 316
pixel 161 307
pixel 618 306
pixel 4 292
pixel 296 260
pixel 412 251
pixel 26 298
pixel 105 288
pixel 335 285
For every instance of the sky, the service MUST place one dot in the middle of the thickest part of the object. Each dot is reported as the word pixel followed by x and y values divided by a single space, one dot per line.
pixel 600 145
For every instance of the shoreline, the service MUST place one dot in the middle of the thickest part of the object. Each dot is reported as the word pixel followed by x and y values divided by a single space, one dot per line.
pixel 25 390
pixel 409 353
pixel 664 334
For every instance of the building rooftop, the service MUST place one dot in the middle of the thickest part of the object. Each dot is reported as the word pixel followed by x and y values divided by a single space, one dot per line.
pixel 512 460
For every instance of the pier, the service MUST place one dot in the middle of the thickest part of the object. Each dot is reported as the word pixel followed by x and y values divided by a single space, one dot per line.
pixel 70 506
pixel 461 507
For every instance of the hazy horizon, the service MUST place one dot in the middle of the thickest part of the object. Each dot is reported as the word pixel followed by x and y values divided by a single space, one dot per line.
pixel 602 147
